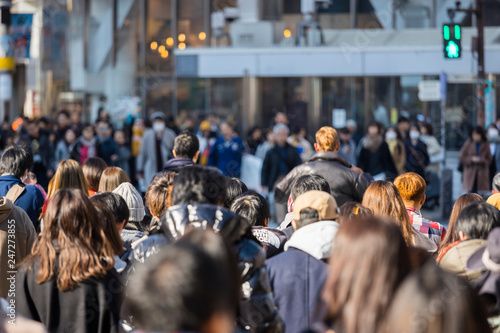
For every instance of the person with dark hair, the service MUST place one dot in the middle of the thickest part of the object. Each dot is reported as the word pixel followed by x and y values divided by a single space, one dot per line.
pixel 15 164
pixel 234 188
pixel 346 182
pixel 70 265
pixel 186 152
pixel 156 148
pixel 189 286
pixel 434 149
pixel 254 208
pixel 474 224
pixel 300 186
pixel 475 156
pixel 369 261
pixel 106 145
pixel 197 198
pixel 347 146
pixel 353 210
pixel 92 170
pixel 451 239
pixel 85 146
pixel 123 151
pixel 417 158
pixel 397 148
pixel 116 204
pixel 254 139
pixel 304 147
pixel 43 153
pixel 297 276
pixel 63 124
pixel 374 155
pixel 431 300
pixel 403 127
pixel 227 152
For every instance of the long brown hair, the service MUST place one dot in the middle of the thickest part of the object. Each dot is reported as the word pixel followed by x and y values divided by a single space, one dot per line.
pixel 369 260
pixel 73 246
pixel 111 178
pixel 384 200
pixel 69 174
pixel 92 170
pixel 110 227
pixel 451 234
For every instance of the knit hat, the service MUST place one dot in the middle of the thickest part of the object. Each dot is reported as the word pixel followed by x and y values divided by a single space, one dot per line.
pixel 133 199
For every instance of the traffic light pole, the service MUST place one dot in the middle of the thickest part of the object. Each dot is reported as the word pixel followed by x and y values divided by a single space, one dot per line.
pixel 481 75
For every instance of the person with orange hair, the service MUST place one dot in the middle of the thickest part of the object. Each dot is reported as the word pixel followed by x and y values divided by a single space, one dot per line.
pixel 412 188
pixel 347 182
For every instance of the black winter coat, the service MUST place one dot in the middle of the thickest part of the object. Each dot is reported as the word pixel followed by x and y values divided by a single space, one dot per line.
pixel 93 307
pixel 345 184
pixel 271 166
pixel 375 162
pixel 417 158
pixel 257 306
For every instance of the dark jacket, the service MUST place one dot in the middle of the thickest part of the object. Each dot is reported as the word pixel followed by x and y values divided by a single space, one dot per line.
pixel 271 166
pixel 92 307
pixel 417 158
pixel 345 184
pixel 257 309
pixel 31 200
pixel 272 240
pixel 106 147
pixel 297 279
pixel 375 158
pixel 227 155
pixel 176 164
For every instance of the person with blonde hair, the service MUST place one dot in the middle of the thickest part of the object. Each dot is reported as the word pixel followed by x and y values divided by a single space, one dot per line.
pixel 412 188
pixel 384 200
pixel 111 178
pixel 347 183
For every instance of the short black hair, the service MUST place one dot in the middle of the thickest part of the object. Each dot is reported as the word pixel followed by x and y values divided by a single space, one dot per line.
pixel 234 188
pixel 15 161
pixel 115 203
pixel 481 131
pixel 403 119
pixel 308 183
pixel 478 219
pixel 199 185
pixel 186 145
pixel 253 207
pixel 183 286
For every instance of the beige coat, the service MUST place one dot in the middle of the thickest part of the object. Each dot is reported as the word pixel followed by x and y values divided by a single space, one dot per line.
pixel 24 235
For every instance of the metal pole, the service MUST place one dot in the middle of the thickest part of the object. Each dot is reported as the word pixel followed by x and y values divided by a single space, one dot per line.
pixel 173 28
pixel 353 12
pixel 480 62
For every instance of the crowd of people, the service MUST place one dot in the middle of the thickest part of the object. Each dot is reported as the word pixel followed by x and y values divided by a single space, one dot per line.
pixel 152 230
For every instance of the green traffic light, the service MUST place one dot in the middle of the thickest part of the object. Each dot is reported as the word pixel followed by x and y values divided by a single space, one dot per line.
pixel 446 32
pixel 457 32
pixel 452 50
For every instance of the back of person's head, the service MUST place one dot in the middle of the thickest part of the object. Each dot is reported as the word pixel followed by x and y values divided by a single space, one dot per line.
pixel 353 210
pixel 159 193
pixel 384 200
pixel 369 261
pixel 411 186
pixel 307 183
pixel 15 161
pixel 253 207
pixel 434 301
pixel 234 188
pixel 494 200
pixel 188 286
pixel 199 185
pixel 327 139
pixel 495 186
pixel 111 178
pixel 186 145
pixel 314 206
pixel 93 168
pixel 462 202
pixel 69 174
pixel 115 203
pixel 477 220
pixel 110 227
pixel 134 201
pixel 73 240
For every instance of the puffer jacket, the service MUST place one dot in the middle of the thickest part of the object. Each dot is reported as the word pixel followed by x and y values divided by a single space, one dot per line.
pixel 345 184
pixel 258 311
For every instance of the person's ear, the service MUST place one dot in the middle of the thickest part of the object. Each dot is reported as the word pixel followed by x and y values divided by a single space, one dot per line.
pixel 462 236
pixel 195 158
pixel 294 225
pixel 316 147
pixel 174 153
pixel 219 323
pixel 337 147
pixel 423 200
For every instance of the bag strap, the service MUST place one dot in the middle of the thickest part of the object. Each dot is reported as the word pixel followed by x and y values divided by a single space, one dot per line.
pixel 415 154
pixel 15 192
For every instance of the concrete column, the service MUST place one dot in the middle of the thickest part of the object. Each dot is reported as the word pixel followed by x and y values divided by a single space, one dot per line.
pixel 251 103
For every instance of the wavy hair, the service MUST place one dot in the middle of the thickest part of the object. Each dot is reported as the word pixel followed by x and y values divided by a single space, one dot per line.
pixel 73 247
pixel 384 200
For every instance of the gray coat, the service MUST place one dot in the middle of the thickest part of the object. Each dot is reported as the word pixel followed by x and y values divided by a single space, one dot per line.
pixel 146 161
